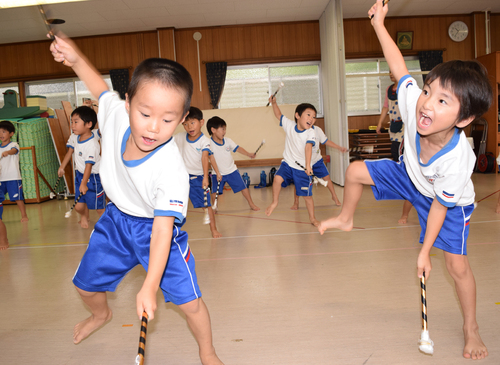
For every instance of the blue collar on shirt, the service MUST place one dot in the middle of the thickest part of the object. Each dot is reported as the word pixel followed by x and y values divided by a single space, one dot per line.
pixel 3 146
pixel 88 139
pixel 196 140
pixel 134 163
pixel 452 143
pixel 218 144
pixel 297 130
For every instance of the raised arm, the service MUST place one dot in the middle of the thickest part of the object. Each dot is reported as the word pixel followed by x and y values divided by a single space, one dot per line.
pixel 276 108
pixel 66 52
pixel 245 152
pixel 391 51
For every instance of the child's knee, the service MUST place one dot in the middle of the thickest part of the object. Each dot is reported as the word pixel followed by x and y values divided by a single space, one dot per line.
pixel 191 307
pixel 457 265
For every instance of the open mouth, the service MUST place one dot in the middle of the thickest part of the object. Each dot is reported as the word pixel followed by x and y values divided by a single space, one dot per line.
pixel 424 121
pixel 148 141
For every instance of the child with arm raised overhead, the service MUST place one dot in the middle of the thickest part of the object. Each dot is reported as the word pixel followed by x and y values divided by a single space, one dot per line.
pixel 84 145
pixel 146 180
pixel 435 174
pixel 223 148
pixel 196 152
pixel 299 143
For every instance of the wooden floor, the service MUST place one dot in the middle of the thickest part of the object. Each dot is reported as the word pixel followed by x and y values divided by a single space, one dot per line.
pixel 277 291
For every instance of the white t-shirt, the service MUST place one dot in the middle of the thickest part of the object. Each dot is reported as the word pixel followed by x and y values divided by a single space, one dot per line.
pixel 10 164
pixel 447 175
pixel 84 152
pixel 320 138
pixel 192 151
pixel 223 155
pixel 156 185
pixel 295 143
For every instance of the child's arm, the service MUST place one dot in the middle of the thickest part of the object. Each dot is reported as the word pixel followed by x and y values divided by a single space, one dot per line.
pixel 392 53
pixel 64 162
pixel 244 152
pixel 159 250
pixel 214 166
pixel 309 148
pixel 204 163
pixel 12 151
pixel 65 51
pixel 336 146
pixel 435 220
pixel 383 116
pixel 276 108
pixel 86 175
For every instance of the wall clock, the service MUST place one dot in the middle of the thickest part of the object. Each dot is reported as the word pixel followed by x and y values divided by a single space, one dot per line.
pixel 458 31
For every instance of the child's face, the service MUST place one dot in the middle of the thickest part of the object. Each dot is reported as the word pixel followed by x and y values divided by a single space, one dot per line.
pixel 437 111
pixel 219 133
pixel 154 113
pixel 193 127
pixel 78 126
pixel 5 135
pixel 306 120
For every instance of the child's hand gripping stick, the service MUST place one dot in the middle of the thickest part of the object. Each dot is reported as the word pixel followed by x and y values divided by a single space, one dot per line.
pixel 276 92
pixel 315 178
pixel 68 213
pixel 139 359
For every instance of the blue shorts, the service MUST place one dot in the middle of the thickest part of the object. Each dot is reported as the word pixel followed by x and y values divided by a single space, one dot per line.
pixel 234 180
pixel 119 242
pixel 196 192
pixel 14 188
pixel 302 181
pixel 319 169
pixel 392 182
pixel 95 198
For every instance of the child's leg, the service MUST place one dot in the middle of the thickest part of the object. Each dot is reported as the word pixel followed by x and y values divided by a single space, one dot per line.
pixel 465 285
pixel 406 211
pixel 100 211
pixel 101 313
pixel 22 208
pixel 213 227
pixel 332 190
pixel 357 175
pixel 4 242
pixel 246 194
pixel 295 205
pixel 310 209
pixel 498 205
pixel 81 208
pixel 198 321
pixel 276 194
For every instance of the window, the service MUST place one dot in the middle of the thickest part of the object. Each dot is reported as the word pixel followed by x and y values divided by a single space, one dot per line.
pixel 72 90
pixel 250 86
pixel 4 88
pixel 367 82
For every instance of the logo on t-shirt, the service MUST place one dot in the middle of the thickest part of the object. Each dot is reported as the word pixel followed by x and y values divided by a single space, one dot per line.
pixel 80 153
pixel 228 149
pixel 432 178
pixel 176 203
pixel 448 195
pixel 408 83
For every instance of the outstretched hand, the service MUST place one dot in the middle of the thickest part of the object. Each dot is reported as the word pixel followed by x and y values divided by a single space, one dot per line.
pixel 64 51
pixel 378 12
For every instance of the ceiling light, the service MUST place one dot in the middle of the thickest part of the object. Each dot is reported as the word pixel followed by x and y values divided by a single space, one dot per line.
pixel 19 3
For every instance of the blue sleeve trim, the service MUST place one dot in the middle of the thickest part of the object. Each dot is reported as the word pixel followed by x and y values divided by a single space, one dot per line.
pixel 312 142
pixel 236 148
pixel 207 149
pixel 178 217
pixel 104 92
pixel 70 146
pixel 90 162
pixel 445 203
pixel 326 140
pixel 15 148
pixel 401 80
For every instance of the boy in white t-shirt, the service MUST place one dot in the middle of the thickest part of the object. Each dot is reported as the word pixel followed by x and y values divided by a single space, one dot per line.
pixel 146 180
pixel 299 143
pixel 10 175
pixel 435 171
pixel 222 149
pixel 318 165
pixel 84 145
pixel 196 152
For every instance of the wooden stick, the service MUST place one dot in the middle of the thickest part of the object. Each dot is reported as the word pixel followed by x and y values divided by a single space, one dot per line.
pixel 139 359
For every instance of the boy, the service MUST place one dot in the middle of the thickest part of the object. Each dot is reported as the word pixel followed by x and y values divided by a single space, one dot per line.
pixel 222 149
pixel 195 150
pixel 436 168
pixel 318 165
pixel 10 176
pixel 87 150
pixel 145 178
pixel 299 143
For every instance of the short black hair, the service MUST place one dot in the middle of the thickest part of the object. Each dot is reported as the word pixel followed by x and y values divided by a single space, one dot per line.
pixel 215 122
pixel 302 107
pixel 168 73
pixel 194 113
pixel 86 114
pixel 468 80
pixel 8 126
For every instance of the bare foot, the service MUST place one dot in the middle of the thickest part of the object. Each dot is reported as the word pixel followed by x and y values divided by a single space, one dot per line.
pixel 474 347
pixel 335 222
pixel 84 222
pixel 4 246
pixel 295 206
pixel 254 208
pixel 314 222
pixel 270 209
pixel 211 359
pixel 83 329
pixel 24 219
pixel 337 203
pixel 215 233
pixel 403 220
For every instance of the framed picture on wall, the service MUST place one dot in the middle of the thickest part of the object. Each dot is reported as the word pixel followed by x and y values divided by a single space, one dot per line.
pixel 404 40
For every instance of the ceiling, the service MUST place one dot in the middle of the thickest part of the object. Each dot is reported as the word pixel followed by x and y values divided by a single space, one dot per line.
pixel 94 17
